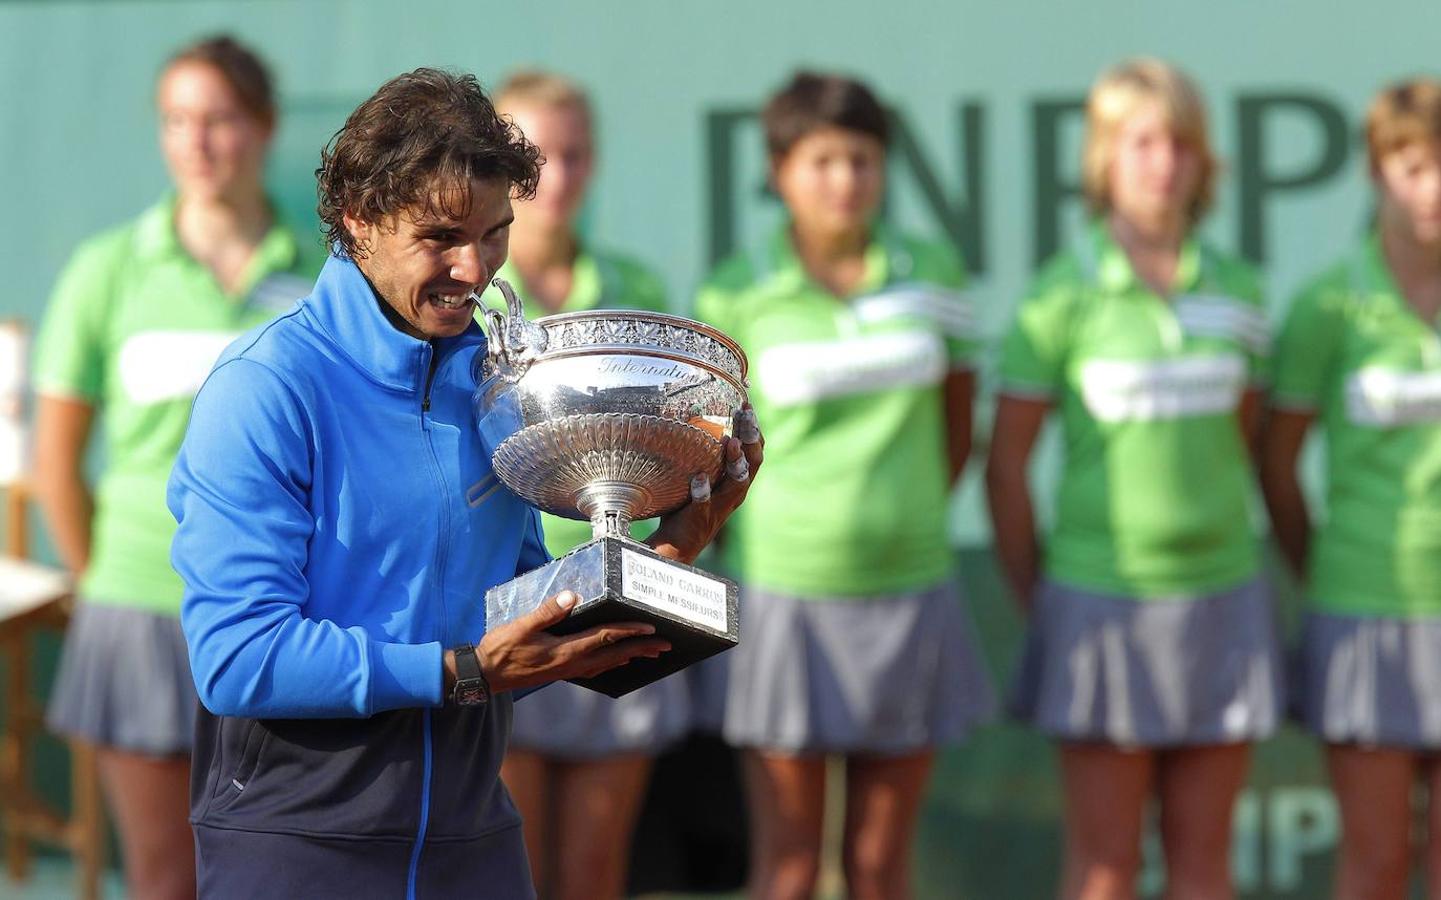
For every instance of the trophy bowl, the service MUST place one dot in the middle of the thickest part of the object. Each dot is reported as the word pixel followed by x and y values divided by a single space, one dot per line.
pixel 608 416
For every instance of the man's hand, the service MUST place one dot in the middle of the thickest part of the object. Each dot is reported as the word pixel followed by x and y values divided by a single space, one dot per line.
pixel 521 654
pixel 683 534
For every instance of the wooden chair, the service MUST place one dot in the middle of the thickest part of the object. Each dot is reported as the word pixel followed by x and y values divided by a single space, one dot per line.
pixel 34 598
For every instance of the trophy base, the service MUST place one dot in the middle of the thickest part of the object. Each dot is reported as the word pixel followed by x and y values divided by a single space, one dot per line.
pixel 620 580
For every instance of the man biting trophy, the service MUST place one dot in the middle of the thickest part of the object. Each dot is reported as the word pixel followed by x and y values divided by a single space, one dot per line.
pixel 340 525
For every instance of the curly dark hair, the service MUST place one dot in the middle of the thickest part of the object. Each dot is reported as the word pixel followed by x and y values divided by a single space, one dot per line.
pixel 811 101
pixel 422 131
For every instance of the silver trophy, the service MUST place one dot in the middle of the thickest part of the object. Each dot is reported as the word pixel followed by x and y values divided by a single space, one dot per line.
pixel 609 416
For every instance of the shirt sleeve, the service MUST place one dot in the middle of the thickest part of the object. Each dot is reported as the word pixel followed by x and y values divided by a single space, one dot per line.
pixel 1034 350
pixel 70 347
pixel 954 309
pixel 1305 352
pixel 1254 328
pixel 239 491
pixel 533 552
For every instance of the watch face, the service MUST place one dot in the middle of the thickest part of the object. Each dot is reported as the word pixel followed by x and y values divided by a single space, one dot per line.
pixel 470 693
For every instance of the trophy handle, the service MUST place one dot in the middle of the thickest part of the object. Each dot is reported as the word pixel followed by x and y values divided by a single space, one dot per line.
pixel 514 342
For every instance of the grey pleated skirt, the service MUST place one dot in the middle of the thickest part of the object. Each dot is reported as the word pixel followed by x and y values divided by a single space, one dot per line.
pixel 571 722
pixel 884 675
pixel 1151 673
pixel 1370 681
pixel 709 680
pixel 124 682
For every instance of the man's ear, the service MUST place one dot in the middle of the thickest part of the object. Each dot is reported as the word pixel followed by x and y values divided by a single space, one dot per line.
pixel 361 231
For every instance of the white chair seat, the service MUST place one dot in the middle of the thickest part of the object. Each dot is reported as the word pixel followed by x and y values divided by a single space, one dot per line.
pixel 26 586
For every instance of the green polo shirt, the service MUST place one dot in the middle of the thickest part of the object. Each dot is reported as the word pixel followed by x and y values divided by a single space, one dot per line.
pixel 133 328
pixel 599 280
pixel 853 498
pixel 1156 486
pixel 1354 352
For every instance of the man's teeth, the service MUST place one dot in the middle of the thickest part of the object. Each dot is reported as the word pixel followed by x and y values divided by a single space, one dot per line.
pixel 450 301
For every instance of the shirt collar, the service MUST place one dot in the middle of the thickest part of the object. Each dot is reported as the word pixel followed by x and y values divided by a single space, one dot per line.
pixel 1115 274
pixel 886 257
pixel 347 309
pixel 156 240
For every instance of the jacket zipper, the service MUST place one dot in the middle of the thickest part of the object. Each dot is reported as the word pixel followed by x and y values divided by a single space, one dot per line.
pixel 433 364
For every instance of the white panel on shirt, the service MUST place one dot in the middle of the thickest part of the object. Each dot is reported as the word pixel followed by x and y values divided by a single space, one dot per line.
pixel 950 311
pixel 1378 397
pixel 806 372
pixel 1215 316
pixel 1152 390
pixel 156 366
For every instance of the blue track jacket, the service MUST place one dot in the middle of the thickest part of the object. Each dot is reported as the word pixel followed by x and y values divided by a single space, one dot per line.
pixel 339 525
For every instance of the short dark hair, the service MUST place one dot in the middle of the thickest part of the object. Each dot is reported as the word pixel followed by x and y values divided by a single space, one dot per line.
pixel 812 101
pixel 422 131
pixel 241 68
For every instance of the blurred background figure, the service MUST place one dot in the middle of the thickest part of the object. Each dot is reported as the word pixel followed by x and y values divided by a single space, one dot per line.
pixel 856 639
pixel 1151 656
pixel 136 320
pixel 578 760
pixel 1359 353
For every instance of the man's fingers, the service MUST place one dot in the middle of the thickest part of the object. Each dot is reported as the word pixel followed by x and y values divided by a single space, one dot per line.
pixel 608 635
pixel 745 426
pixel 700 488
pixel 613 655
pixel 737 467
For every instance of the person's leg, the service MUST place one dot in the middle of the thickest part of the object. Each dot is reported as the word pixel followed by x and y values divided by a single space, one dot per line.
pixel 787 804
pixel 1106 789
pixel 1432 850
pixel 1373 789
pixel 883 802
pixel 1198 788
pixel 596 802
pixel 149 799
pixel 527 775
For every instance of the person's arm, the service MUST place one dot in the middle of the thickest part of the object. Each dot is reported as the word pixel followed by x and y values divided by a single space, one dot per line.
pixel 1285 501
pixel 1248 418
pixel 959 393
pixel 62 432
pixel 239 492
pixel 71 350
pixel 1303 369
pixel 1013 522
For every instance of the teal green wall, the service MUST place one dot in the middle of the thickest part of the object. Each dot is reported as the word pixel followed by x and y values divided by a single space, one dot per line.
pixel 987 94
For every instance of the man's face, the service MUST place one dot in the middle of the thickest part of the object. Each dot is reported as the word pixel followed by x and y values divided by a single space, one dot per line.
pixel 424 265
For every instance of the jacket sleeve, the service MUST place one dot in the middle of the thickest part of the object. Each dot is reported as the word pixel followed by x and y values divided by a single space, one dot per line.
pixel 240 493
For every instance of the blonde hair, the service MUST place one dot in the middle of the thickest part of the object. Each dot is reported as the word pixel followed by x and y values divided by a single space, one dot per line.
pixel 1115 96
pixel 547 90
pixel 1402 114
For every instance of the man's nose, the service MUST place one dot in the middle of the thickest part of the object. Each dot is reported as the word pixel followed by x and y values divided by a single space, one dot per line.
pixel 467 264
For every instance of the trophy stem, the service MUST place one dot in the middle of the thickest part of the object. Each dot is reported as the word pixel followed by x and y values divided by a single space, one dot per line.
pixel 611 506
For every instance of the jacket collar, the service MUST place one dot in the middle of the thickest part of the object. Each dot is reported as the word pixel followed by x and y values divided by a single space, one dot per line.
pixel 345 307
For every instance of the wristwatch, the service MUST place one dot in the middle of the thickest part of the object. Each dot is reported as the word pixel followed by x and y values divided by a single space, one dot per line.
pixel 471 688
